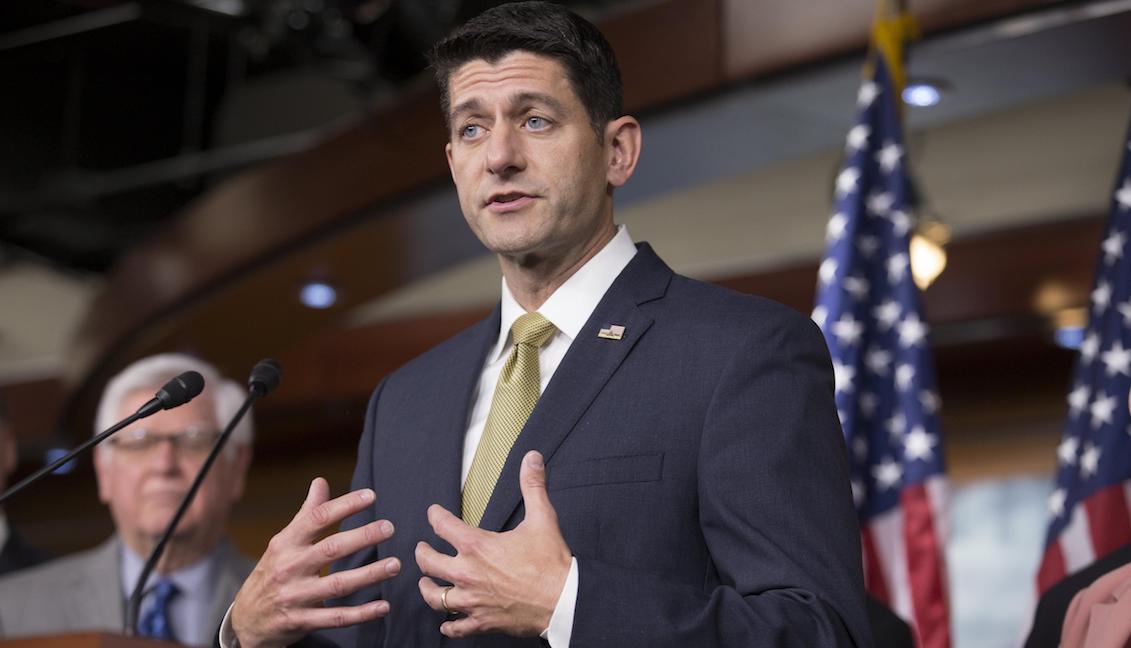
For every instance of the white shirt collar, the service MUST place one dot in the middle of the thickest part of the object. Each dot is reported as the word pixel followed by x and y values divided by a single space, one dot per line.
pixel 574 301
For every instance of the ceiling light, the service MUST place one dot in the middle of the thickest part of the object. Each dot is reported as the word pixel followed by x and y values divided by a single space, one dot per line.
pixel 922 94
pixel 318 294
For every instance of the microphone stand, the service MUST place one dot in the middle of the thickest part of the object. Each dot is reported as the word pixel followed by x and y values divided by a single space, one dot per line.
pixel 37 475
pixel 257 390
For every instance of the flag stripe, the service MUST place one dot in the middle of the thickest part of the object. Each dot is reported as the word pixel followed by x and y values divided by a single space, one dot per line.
pixel 1075 542
pixel 874 578
pixel 887 533
pixel 1108 521
pixel 1052 567
pixel 928 590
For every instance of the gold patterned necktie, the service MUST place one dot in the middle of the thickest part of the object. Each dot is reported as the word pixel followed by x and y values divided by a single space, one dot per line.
pixel 515 395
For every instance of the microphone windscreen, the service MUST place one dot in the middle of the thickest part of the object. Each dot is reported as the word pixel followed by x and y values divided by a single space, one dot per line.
pixel 265 376
pixel 181 389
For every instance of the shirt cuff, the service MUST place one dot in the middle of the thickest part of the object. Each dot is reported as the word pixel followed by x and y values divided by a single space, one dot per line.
pixel 561 621
pixel 228 638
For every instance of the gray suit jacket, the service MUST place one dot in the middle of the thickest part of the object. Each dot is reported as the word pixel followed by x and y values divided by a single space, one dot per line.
pixel 83 592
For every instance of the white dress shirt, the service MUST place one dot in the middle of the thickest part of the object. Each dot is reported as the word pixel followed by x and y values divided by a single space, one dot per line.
pixel 568 309
pixel 190 609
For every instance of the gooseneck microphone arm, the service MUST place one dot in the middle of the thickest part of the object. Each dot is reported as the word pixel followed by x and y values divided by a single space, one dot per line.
pixel 264 379
pixel 174 393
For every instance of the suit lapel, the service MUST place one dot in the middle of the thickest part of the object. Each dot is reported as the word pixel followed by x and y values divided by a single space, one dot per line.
pixel 96 592
pixel 582 374
pixel 445 442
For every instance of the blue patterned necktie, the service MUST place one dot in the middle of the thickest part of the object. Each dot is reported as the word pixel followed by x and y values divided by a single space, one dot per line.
pixel 157 622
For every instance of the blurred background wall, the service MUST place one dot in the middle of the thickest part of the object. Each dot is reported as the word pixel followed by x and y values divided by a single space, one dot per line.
pixel 178 174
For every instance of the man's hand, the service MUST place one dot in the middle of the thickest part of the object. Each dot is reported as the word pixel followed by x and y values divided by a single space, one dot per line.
pixel 504 582
pixel 281 601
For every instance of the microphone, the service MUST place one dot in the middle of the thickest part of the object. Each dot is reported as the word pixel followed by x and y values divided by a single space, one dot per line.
pixel 263 380
pixel 174 393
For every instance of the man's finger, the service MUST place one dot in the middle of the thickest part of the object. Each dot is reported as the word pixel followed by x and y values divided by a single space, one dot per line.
pixel 318 493
pixel 532 483
pixel 344 583
pixel 449 527
pixel 312 524
pixel 434 563
pixel 340 617
pixel 340 545
pixel 464 627
pixel 433 595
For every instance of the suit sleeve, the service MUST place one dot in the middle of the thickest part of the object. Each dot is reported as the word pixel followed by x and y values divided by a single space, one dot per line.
pixel 775 512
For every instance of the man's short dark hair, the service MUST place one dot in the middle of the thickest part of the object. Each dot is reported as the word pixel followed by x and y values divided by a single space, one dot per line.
pixel 540 28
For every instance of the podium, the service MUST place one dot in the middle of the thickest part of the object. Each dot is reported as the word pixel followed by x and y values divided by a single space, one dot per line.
pixel 87 640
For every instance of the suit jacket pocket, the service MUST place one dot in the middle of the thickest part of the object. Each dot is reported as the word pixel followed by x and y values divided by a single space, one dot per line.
pixel 605 470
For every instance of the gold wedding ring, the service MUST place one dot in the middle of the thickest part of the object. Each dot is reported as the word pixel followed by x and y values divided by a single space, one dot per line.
pixel 444 599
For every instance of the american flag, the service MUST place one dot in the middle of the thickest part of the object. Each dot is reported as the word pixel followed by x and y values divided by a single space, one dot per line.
pixel 868 308
pixel 1089 507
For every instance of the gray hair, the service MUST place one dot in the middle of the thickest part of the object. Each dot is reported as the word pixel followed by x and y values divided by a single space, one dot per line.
pixel 153 372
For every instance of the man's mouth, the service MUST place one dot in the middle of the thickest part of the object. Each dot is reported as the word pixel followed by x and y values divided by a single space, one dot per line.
pixel 509 201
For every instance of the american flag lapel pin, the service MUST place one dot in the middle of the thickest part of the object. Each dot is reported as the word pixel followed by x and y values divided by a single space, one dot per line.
pixel 612 332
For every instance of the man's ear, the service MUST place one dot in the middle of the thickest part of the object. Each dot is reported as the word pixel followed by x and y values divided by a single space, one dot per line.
pixel 623 141
pixel 103 473
pixel 448 154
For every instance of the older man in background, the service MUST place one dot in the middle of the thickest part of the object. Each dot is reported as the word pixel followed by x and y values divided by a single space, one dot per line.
pixel 143 473
pixel 15 553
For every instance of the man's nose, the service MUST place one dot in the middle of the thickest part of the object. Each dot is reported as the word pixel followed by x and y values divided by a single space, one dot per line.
pixel 504 152
pixel 163 456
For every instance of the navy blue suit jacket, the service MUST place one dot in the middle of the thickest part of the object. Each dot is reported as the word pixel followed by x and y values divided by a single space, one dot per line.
pixel 696 465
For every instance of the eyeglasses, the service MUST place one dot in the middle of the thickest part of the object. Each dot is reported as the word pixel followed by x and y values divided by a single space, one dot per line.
pixel 189 441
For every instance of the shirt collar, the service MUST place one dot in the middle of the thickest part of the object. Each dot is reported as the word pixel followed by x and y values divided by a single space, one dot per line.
pixel 194 578
pixel 570 306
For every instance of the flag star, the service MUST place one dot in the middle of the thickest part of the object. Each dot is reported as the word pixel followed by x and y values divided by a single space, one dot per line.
pixel 1102 409
pixel 1056 502
pixel 930 401
pixel 1078 399
pixel 820 316
pixel 868 402
pixel 1067 449
pixel 900 222
pixel 1113 246
pixel 868 92
pixel 867 245
pixel 856 286
pixel 1089 347
pixel 843 375
pixel 887 474
pixel 835 229
pixel 887 314
pixel 860 448
pixel 911 331
pixel 1125 311
pixel 880 202
pixel 1122 195
pixel 1090 460
pixel 858 493
pixel 846 181
pixel 896 426
pixel 904 374
pixel 827 271
pixel 1101 296
pixel 841 415
pixel 1117 360
pixel 847 330
pixel 897 267
pixel 889 156
pixel 878 361
pixel 918 444
pixel 858 137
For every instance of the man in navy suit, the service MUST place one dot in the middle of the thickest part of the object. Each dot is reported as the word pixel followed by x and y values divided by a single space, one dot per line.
pixel 681 480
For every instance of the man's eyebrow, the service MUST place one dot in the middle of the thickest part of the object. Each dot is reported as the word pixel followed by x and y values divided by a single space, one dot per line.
pixel 539 97
pixel 471 105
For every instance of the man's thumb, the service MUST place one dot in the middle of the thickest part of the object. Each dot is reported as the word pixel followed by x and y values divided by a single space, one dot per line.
pixel 532 482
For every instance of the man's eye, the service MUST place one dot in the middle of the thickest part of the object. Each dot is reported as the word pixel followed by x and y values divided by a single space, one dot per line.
pixel 537 123
pixel 469 131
